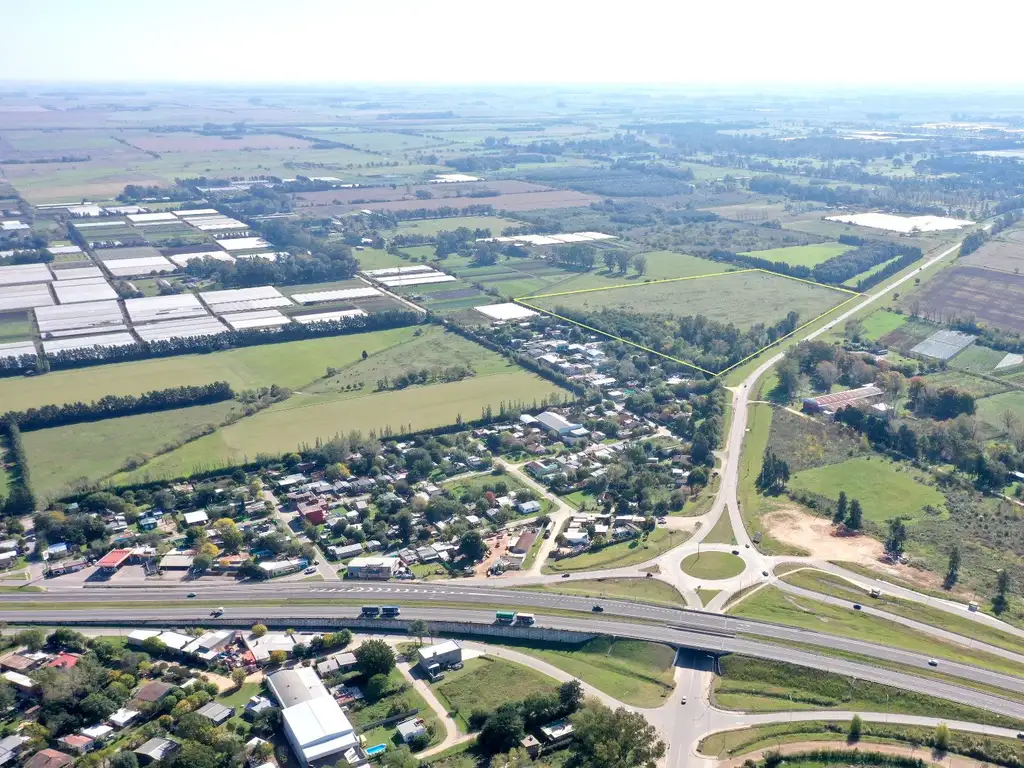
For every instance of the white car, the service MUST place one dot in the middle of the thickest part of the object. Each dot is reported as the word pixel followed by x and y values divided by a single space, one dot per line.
pixel 310 570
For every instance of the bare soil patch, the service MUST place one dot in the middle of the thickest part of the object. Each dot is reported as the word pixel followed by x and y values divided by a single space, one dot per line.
pixel 990 296
pixel 793 526
pixel 1005 253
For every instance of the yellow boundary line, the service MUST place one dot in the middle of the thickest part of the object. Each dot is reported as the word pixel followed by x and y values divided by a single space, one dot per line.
pixel 523 301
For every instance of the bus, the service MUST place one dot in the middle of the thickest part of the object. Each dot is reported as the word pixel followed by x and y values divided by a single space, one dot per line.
pixel 505 617
pixel 526 619
pixel 391 610
pixel 371 610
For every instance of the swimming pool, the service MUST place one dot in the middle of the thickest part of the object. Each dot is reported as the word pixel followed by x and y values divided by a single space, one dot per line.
pixel 375 750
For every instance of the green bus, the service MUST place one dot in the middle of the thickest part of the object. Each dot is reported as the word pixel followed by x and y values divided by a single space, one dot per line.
pixel 505 617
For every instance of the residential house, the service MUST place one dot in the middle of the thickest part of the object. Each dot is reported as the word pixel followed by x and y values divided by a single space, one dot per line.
pixel 379 568
pixel 76 743
pixel 153 692
pixel 10 748
pixel 216 713
pixel 339 662
pixel 412 729
pixel 123 717
pixel 255 705
pixel 531 507
pixel 433 659
pixel 49 758
pixel 156 749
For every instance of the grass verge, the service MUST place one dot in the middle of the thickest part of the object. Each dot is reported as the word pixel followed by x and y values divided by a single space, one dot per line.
pixel 622 554
pixel 651 591
pixel 713 565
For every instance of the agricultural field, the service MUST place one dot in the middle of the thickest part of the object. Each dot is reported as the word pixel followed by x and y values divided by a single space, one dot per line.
pixel 291 364
pixel 456 194
pixel 975 385
pixel 977 359
pixel 63 459
pixel 374 258
pixel 430 227
pixel 885 489
pixel 743 298
pixel 803 255
pixel 350 400
pixel 880 323
pixel 990 411
pixel 15 326
pixel 446 297
pixel 1003 253
pixel 991 297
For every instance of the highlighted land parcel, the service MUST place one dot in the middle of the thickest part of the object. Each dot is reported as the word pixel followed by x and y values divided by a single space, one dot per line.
pixel 743 297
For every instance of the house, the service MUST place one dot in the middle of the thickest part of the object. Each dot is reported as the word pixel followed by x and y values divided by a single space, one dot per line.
pixel 56 551
pixel 10 748
pixel 314 512
pixel 523 543
pixel 7 559
pixel 273 568
pixel 427 555
pixel 557 733
pixel 339 662
pixel 20 682
pixel 98 733
pixel 380 568
pixel 262 647
pixel 432 659
pixel 20 662
pixel 556 423
pixel 314 724
pixel 49 758
pixel 64 660
pixel 210 645
pixel 412 729
pixel 196 518
pixel 156 749
pixel 123 717
pixel 255 705
pixel 148 523
pixel 153 691
pixel 349 550
pixel 531 507
pixel 75 743
pixel 575 537
pixel 541 471
pixel 216 713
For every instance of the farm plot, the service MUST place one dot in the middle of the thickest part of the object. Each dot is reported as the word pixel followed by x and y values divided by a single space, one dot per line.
pixel 446 297
pixel 63 459
pixel 450 192
pixel 526 201
pixel 742 298
pixel 194 142
pixel 802 255
pixel 1005 253
pixel 991 297
pixel 977 359
pixel 290 364
pixel 991 410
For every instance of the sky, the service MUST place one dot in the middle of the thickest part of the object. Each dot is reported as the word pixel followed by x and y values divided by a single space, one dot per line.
pixel 891 43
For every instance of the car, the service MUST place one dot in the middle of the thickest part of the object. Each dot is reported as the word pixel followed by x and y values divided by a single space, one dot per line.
pixel 1020 735
pixel 683 700
pixel 597 609
pixel 662 520
pixel 191 594
pixel 649 576
pixel 764 573
pixel 217 612
pixel 735 551
pixel 856 606
pixel 311 569
pixel 933 663
pixel 566 575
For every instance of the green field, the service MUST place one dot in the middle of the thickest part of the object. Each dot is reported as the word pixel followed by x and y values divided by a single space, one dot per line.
pixel 430 227
pixel 372 258
pixel 802 255
pixel 324 408
pixel 290 364
pixel 759 685
pixel 661 265
pixel 638 590
pixel 15 326
pixel 742 298
pixel 773 605
pixel 976 385
pixel 485 683
pixel 990 411
pixel 622 554
pixel 878 324
pixel 852 282
pixel 635 672
pixel 885 489
pixel 977 359
pixel 713 565
pixel 62 459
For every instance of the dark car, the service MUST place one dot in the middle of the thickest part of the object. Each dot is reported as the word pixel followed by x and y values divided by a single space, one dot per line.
pixel 933 663
pixel 597 609
pixel 764 573
pixel 191 594
pixel 856 606
pixel 566 575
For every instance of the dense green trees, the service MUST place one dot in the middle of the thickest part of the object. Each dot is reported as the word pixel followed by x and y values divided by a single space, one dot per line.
pixel 774 473
pixel 614 739
pixel 375 657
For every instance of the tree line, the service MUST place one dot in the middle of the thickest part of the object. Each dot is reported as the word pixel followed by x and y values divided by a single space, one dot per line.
pixel 111 406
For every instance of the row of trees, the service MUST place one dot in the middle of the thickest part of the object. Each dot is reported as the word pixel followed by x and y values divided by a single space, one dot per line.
pixel 111 406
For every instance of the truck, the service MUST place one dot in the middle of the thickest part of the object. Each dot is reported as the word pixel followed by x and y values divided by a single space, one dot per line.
pixel 371 610
pixel 505 617
pixel 390 611
pixel 526 619
pixel 876 592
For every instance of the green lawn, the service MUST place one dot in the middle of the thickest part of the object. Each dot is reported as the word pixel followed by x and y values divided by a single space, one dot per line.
pixel 15 326
pixel 977 359
pixel 635 672
pixel 772 604
pixel 990 411
pixel 759 685
pixel 290 364
pixel 722 533
pixel 62 459
pixel 485 683
pixel 621 554
pixel 713 565
pixel 707 595
pixel 660 265
pixel 639 590
pixel 802 255
pixel 836 586
pixel 401 696
pixel 886 489
pixel 238 698
pixel 431 227
pixel 374 258
pixel 879 323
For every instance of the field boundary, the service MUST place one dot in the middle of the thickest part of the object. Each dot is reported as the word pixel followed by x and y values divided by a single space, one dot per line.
pixel 525 301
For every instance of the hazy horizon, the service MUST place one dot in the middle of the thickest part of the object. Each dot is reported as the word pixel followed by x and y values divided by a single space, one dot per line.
pixel 794 44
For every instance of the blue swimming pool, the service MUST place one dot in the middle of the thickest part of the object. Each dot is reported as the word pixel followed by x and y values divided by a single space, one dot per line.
pixel 375 750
